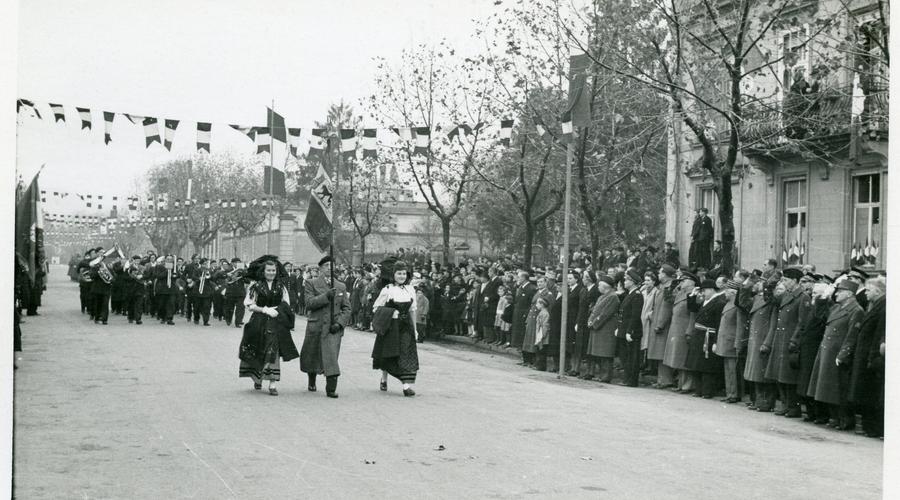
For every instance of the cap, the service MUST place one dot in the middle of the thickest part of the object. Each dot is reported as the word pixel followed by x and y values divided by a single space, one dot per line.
pixel 793 273
pixel 634 276
pixel 708 284
pixel 667 269
pixel 732 284
pixel 608 280
pixel 690 276
pixel 847 285
pixel 856 272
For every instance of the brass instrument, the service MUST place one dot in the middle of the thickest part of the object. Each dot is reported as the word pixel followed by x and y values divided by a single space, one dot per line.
pixel 235 275
pixel 104 273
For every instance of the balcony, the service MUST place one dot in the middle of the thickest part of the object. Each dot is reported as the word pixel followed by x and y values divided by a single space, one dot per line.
pixel 818 117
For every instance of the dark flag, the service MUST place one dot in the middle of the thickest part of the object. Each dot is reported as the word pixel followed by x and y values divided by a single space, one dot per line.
pixel 369 143
pixel 204 132
pixel 85 114
pixel 319 215
pixel 273 175
pixel 108 117
pixel 579 93
pixel 170 126
pixel 30 228
pixel 151 131
pixel 273 184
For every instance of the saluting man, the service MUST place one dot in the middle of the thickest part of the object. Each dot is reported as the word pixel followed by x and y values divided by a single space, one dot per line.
pixel 328 312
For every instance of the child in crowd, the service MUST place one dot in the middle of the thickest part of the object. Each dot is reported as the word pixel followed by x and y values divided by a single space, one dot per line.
pixel 502 321
pixel 421 313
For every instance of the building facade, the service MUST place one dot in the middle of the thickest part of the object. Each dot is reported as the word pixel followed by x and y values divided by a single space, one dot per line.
pixel 828 209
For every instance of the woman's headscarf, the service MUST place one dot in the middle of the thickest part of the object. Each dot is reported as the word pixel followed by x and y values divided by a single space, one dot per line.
pixel 256 269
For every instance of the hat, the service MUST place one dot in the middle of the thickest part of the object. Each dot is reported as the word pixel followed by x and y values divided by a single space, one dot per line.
pixel 608 280
pixel 651 249
pixel 847 285
pixel 732 284
pixel 634 276
pixel 324 260
pixel 856 272
pixel 668 270
pixel 550 274
pixel 708 284
pixel 793 273
pixel 690 276
pixel 826 279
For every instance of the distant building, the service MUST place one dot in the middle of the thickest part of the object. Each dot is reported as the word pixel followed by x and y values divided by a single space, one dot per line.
pixel 789 206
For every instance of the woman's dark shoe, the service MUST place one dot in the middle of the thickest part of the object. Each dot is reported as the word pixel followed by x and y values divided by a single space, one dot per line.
pixel 383 386
pixel 409 392
pixel 311 388
pixel 258 387
pixel 273 391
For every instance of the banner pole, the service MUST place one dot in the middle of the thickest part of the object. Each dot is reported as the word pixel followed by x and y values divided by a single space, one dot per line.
pixel 570 152
pixel 270 119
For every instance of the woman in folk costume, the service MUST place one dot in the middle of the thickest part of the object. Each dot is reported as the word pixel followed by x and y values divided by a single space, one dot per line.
pixel 395 352
pixel 676 341
pixel 267 333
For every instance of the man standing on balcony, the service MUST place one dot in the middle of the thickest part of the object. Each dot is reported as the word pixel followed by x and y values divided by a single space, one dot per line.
pixel 701 240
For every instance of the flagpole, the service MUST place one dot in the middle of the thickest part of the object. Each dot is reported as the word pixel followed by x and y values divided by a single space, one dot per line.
pixel 570 153
pixel 271 125
pixel 333 222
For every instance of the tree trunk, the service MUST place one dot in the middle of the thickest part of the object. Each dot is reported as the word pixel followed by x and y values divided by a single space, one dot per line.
pixel 529 243
pixel 362 249
pixel 445 233
pixel 726 220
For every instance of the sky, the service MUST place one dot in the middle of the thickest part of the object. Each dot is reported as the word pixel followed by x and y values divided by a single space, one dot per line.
pixel 221 61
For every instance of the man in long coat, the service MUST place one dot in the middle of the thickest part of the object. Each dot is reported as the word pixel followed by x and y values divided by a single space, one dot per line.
pixel 521 304
pixel 761 315
pixel 602 322
pixel 660 320
pixel 327 312
pixel 589 295
pixel 725 343
pixel 575 288
pixel 701 240
pixel 487 306
pixel 630 328
pixel 867 375
pixel 702 338
pixel 829 381
pixel 806 343
pixel 792 306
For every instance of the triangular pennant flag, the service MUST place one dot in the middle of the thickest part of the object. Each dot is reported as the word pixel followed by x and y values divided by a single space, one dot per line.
pixel 370 143
pixel 405 133
pixel 505 131
pixel 263 140
pixel 151 131
pixel 348 143
pixel 423 140
pixel 170 127
pixel 134 119
pixel 108 117
pixel 28 104
pixel 294 141
pixel 59 114
pixel 204 134
pixel 85 114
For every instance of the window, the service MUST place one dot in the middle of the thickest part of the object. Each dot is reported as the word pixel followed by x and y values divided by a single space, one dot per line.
pixel 796 54
pixel 868 225
pixel 794 243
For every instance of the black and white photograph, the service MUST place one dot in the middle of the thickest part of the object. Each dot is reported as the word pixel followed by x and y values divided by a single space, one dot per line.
pixel 353 249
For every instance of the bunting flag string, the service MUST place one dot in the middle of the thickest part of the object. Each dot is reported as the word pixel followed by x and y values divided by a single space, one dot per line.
pixel 204 136
pixel 85 114
pixel 170 127
pixel 151 131
pixel 108 118
pixel 59 114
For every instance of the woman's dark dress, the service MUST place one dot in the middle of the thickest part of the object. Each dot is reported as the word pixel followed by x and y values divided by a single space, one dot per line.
pixel 267 340
pixel 395 352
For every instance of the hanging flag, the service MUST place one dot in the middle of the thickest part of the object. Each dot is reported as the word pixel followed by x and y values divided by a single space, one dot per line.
pixel 89 200
pixel 370 143
pixel 254 202
pixel 243 203
pixel 294 141
pixel 505 131
pixel 579 93
pixel 206 204
pixel 108 117
pixel 348 143
pixel 233 203
pixel 405 133
pixel 43 196
pixel 248 131
pixel 262 140
pixel 567 128
pixel 151 131
pixel 59 114
pixel 318 222
pixel 784 255
pixel 317 145
pixel 204 134
pixel 170 126
pixel 132 203
pixel 29 236
pixel 177 203
pixel 423 140
pixel 28 104
pixel 85 114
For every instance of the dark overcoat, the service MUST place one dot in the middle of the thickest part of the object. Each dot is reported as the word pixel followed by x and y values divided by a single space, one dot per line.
pixel 682 319
pixel 321 348
pixel 867 375
pixel 728 326
pixel 701 356
pixel 791 311
pixel 808 338
pixel 585 303
pixel 829 383
pixel 629 317
pixel 521 305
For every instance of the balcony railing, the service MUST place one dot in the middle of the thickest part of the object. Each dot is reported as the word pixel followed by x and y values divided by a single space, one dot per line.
pixel 815 116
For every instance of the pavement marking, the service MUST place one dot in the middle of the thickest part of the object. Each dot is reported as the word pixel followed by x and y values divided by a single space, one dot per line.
pixel 210 468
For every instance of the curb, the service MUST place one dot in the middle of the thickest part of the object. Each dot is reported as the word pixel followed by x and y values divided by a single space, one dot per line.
pixel 458 339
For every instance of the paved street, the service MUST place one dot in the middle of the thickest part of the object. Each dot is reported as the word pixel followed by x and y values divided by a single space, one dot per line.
pixel 155 411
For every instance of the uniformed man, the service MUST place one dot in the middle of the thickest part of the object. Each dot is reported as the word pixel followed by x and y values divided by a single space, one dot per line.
pixel 328 312
pixel 792 306
pixel 165 287
pixel 201 292
pixel 235 290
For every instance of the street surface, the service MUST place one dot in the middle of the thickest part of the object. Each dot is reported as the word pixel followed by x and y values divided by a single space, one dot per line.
pixel 156 411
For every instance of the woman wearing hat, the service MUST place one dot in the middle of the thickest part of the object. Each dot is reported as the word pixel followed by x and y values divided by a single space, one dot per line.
pixel 395 352
pixel 601 348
